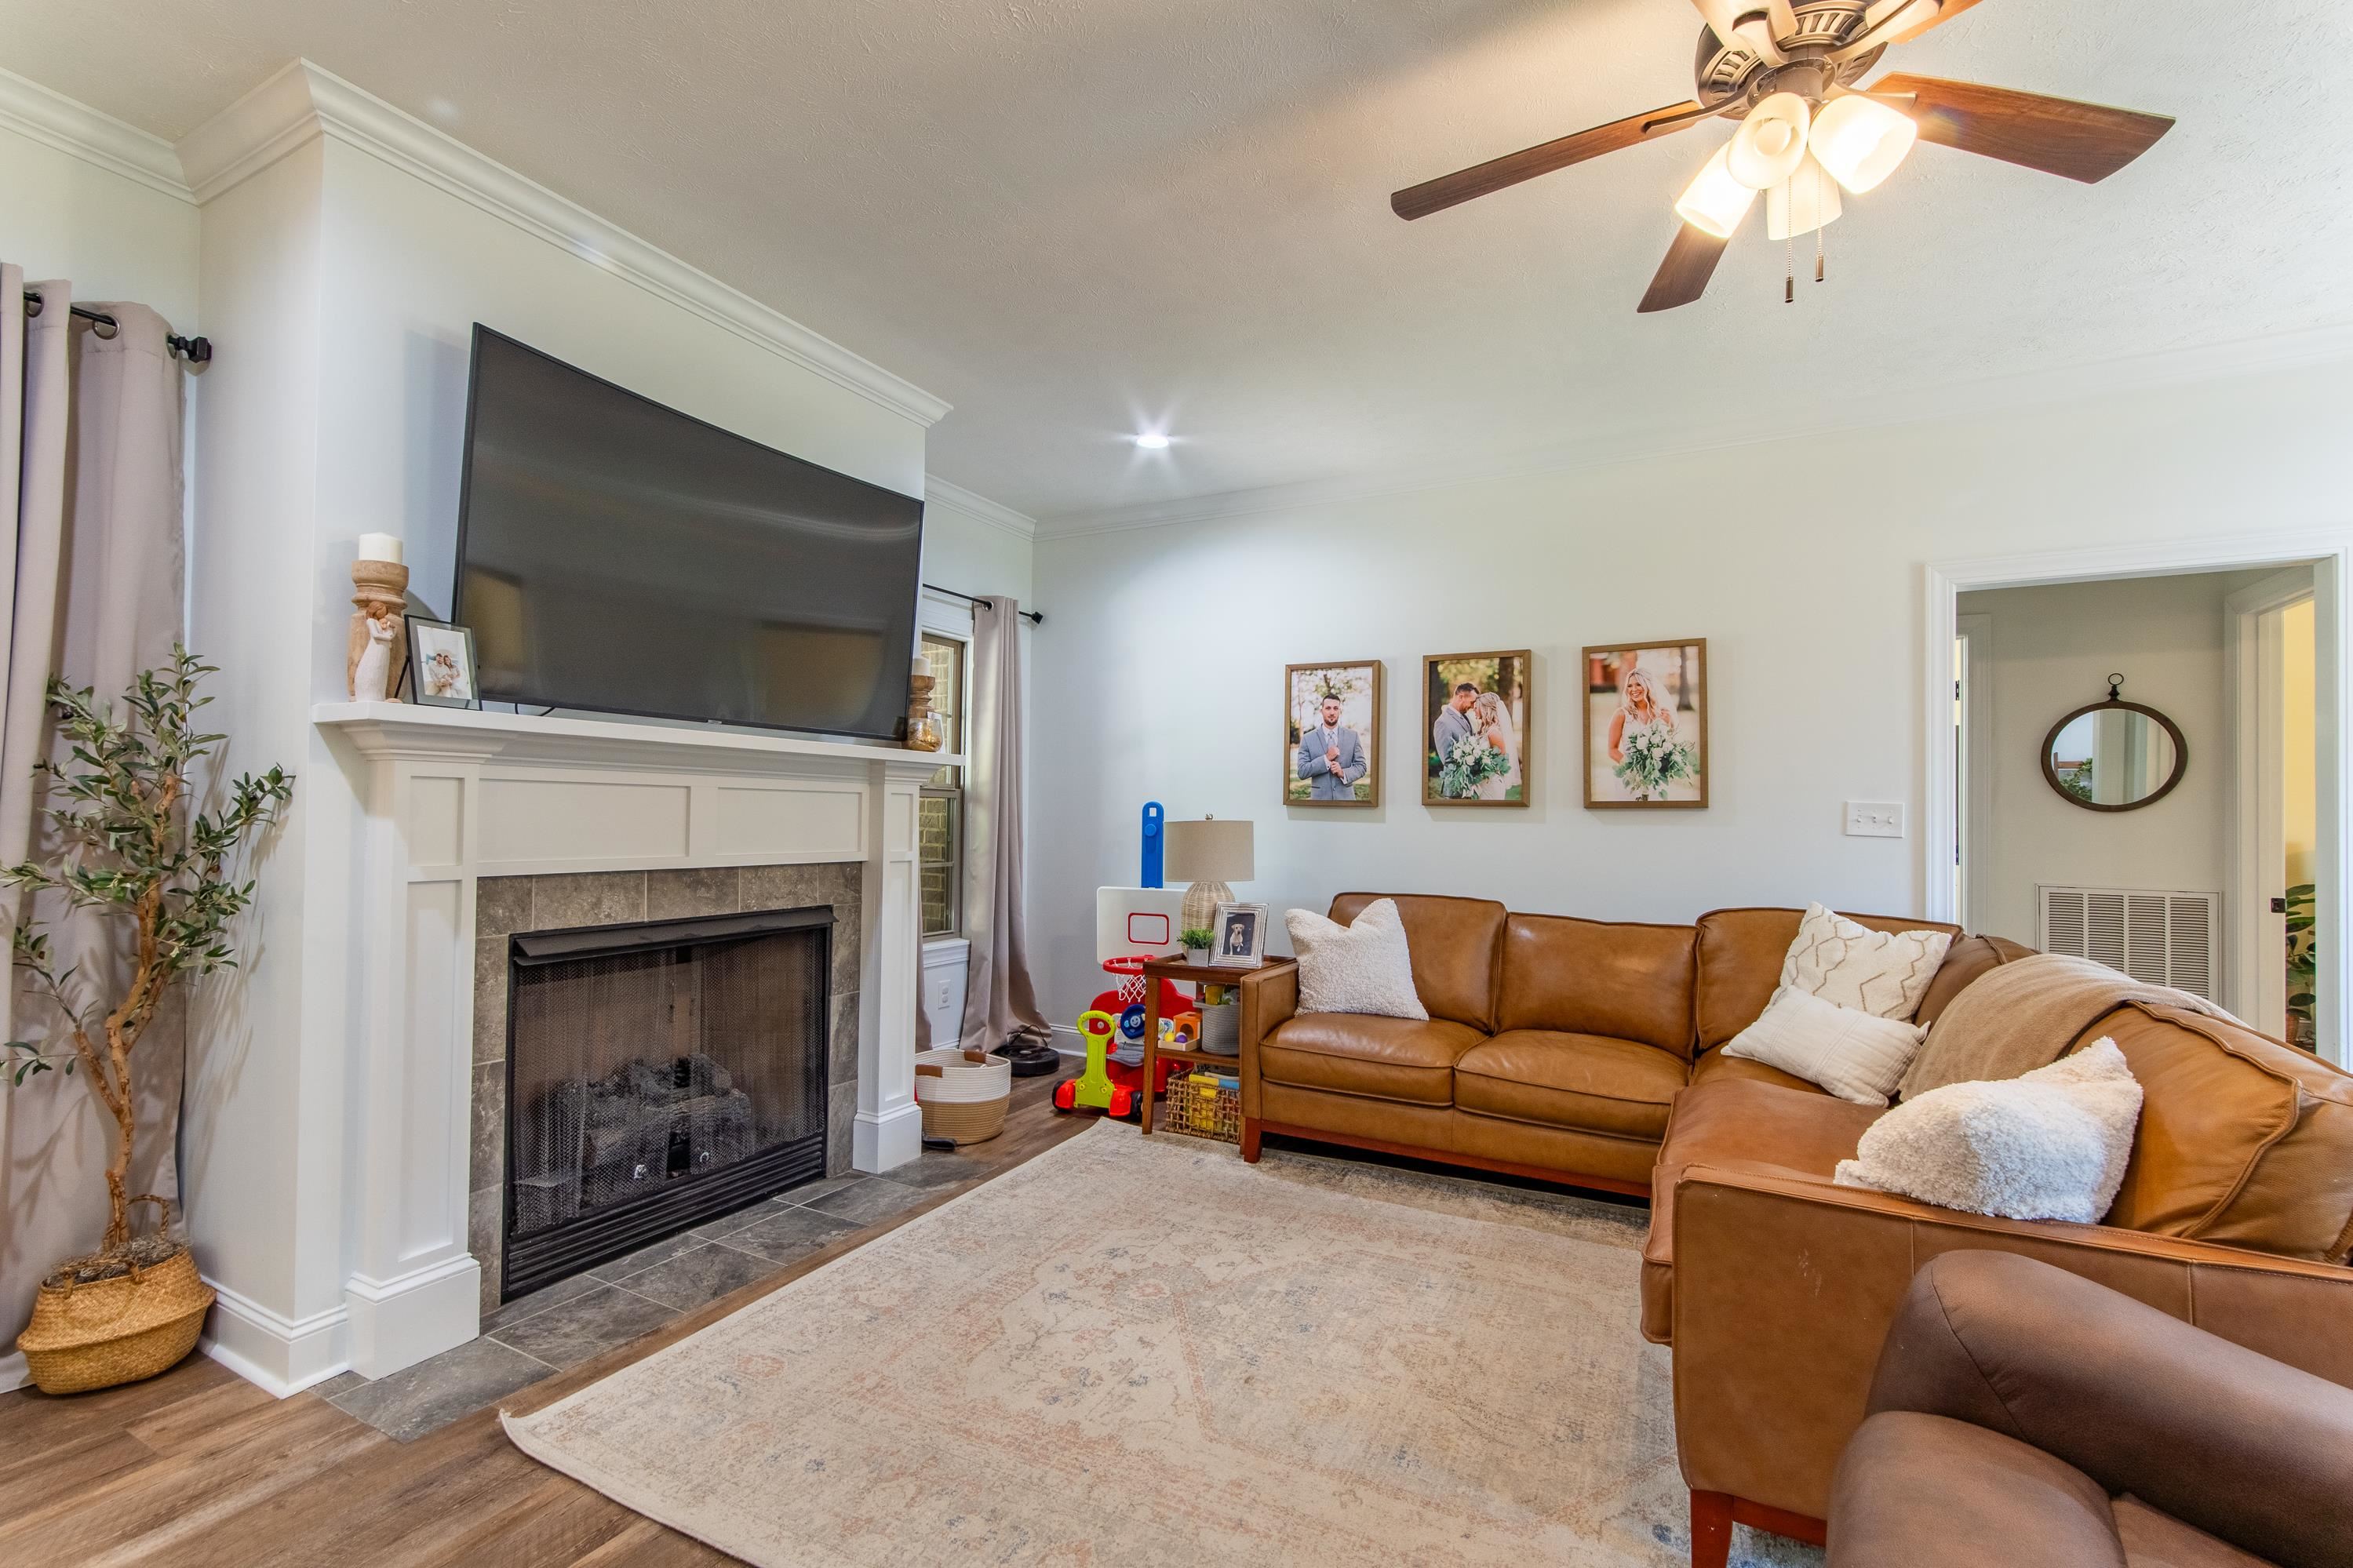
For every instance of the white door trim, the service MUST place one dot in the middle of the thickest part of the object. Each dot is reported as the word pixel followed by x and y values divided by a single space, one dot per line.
pixel 2331 553
pixel 2254 988
pixel 1977 744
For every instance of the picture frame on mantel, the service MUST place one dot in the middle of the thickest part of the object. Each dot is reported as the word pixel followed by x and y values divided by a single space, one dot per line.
pixel 441 669
pixel 1645 724
pixel 1477 726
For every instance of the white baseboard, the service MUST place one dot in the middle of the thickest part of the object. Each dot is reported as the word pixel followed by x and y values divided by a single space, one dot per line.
pixel 13 1371
pixel 281 1355
pixel 886 1140
pixel 401 1322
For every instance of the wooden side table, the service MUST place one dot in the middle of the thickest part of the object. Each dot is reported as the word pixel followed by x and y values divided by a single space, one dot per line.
pixel 1183 973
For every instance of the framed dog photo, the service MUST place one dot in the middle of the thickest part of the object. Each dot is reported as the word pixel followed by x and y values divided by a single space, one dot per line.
pixel 1240 937
pixel 1646 726
pixel 1331 733
pixel 1478 708
pixel 441 665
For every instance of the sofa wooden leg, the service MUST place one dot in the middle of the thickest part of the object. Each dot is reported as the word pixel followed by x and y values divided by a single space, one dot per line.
pixel 1711 1528
pixel 1249 1140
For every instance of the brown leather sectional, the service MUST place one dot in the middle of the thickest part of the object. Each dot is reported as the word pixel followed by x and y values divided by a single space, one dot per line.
pixel 1588 1053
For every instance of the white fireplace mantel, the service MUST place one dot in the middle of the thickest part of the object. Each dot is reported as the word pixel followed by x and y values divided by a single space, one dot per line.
pixel 451 795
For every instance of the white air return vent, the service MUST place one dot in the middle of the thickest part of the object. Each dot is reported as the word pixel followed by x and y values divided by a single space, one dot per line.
pixel 2165 939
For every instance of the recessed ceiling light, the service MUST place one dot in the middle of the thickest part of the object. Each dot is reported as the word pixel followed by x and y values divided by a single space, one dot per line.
pixel 1152 441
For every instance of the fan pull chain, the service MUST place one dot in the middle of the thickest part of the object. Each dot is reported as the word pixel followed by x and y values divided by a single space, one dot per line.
pixel 1820 230
pixel 1790 261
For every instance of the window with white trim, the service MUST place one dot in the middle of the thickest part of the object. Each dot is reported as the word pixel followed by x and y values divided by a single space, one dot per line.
pixel 940 828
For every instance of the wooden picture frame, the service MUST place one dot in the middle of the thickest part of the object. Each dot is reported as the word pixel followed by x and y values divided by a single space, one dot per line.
pixel 1358 685
pixel 1509 676
pixel 1600 680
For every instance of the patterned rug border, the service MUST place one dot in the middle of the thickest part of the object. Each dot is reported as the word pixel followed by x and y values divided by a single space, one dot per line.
pixel 1574 1217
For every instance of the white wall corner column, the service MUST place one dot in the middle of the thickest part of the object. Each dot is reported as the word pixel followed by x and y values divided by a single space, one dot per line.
pixel 451 795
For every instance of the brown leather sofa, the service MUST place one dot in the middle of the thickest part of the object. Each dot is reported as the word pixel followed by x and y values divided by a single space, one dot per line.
pixel 1776 1287
pixel 1554 1048
pixel 2022 1415
pixel 1588 1053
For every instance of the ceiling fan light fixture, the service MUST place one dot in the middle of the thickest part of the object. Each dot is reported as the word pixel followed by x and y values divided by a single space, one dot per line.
pixel 1771 143
pixel 1714 203
pixel 1861 141
pixel 1806 201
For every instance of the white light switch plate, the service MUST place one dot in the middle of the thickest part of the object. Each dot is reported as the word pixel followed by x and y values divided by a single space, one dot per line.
pixel 1874 819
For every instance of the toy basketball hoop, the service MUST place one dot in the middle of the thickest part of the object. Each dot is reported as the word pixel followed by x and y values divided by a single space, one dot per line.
pixel 1130 971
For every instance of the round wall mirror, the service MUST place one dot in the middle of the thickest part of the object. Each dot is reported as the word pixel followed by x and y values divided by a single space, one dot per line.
pixel 2115 755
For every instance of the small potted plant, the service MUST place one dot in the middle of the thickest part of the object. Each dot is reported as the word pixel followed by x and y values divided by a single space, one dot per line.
pixel 1196 944
pixel 131 846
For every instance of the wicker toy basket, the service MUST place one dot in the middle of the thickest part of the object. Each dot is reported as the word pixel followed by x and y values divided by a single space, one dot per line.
pixel 1206 1103
pixel 108 1332
pixel 963 1094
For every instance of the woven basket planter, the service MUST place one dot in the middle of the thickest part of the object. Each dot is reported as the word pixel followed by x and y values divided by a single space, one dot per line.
pixel 963 1094
pixel 115 1330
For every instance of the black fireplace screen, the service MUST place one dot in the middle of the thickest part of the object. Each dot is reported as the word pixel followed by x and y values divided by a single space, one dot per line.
pixel 658 1075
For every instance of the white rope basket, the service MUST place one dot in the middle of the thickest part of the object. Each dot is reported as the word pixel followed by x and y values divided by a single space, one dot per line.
pixel 963 1094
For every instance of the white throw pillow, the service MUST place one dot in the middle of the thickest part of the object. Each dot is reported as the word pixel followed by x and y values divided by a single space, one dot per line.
pixel 1856 1056
pixel 1360 968
pixel 2051 1145
pixel 1881 972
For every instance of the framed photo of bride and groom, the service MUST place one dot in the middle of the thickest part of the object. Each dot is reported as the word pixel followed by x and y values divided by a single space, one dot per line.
pixel 1477 709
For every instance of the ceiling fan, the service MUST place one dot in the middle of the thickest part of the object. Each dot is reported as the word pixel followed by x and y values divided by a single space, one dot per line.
pixel 1788 71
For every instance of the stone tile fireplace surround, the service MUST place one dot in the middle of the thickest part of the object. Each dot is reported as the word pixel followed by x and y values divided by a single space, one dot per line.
pixel 476 826
pixel 508 906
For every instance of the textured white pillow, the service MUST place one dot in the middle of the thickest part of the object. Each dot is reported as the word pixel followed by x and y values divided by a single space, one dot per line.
pixel 1856 1056
pixel 1881 972
pixel 2051 1145
pixel 1360 968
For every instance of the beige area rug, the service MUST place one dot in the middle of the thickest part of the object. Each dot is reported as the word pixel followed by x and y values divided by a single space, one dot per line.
pixel 1139 1352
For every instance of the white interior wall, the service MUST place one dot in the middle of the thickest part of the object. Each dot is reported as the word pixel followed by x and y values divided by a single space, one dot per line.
pixel 2054 648
pixel 1802 561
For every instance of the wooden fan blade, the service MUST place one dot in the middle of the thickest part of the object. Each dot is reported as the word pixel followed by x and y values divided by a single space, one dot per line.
pixel 1952 9
pixel 2083 141
pixel 1683 275
pixel 1496 174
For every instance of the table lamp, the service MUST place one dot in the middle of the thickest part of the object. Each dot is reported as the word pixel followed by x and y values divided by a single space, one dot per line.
pixel 1208 854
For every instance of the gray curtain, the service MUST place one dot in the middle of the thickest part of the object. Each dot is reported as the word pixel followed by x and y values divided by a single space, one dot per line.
pixel 90 574
pixel 999 1003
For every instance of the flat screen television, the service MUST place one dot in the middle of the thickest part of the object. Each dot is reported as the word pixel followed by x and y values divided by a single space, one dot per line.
pixel 619 556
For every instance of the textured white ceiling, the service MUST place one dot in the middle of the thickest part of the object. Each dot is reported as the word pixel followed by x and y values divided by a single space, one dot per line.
pixel 1076 217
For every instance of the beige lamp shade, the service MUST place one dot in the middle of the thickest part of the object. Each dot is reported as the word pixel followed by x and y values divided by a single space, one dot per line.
pixel 1208 854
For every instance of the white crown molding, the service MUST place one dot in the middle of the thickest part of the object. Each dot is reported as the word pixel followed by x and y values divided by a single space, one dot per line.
pixel 979 508
pixel 1993 394
pixel 55 121
pixel 305 101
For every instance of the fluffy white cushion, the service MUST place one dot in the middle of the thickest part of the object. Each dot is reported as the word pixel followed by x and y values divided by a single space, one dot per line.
pixel 1881 972
pixel 1855 1054
pixel 2049 1145
pixel 1360 968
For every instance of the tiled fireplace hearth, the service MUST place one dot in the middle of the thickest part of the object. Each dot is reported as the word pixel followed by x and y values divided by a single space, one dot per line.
pixel 618 901
pixel 469 827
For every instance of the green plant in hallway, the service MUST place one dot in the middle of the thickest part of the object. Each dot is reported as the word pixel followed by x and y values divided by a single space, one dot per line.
pixel 133 848
pixel 2302 964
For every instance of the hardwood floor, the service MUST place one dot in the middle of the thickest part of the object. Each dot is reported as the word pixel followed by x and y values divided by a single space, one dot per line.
pixel 199 1469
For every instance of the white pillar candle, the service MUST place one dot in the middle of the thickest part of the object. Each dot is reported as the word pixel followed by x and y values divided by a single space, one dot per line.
pixel 380 547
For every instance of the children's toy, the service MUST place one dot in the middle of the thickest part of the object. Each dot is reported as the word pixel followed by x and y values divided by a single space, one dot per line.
pixel 1092 1091
pixel 1124 1003
pixel 1180 1033
pixel 1137 922
pixel 1155 817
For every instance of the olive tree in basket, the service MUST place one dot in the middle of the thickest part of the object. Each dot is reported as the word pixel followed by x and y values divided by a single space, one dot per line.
pixel 131 845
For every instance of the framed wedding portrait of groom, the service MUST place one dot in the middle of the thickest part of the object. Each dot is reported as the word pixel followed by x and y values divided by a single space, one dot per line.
pixel 1646 726
pixel 1477 710
pixel 1331 740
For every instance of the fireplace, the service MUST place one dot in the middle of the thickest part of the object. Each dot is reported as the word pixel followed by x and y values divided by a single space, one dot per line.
pixel 658 1074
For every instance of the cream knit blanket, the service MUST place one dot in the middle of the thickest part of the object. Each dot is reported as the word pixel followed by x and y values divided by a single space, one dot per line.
pixel 2024 1015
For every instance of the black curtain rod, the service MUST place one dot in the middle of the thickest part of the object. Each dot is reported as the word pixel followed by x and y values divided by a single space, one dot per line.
pixel 198 349
pixel 1035 617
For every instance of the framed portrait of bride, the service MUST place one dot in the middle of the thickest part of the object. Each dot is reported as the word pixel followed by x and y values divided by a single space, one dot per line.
pixel 1646 726
pixel 1477 711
